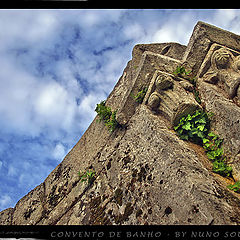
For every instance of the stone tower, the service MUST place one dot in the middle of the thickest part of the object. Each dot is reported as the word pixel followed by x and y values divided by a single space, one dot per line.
pixel 144 173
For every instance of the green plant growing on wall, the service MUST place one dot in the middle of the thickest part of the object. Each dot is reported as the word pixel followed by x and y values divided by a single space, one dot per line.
pixel 221 167
pixel 140 95
pixel 107 116
pixel 235 187
pixel 194 127
pixel 212 145
pixel 196 95
pixel 103 111
pixel 112 123
pixel 181 71
pixel 88 176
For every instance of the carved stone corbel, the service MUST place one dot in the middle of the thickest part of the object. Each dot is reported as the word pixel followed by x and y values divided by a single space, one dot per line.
pixel 164 82
pixel 171 98
pixel 222 68
pixel 154 101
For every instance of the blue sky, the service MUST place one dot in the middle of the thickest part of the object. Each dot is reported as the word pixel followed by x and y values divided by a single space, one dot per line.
pixel 56 65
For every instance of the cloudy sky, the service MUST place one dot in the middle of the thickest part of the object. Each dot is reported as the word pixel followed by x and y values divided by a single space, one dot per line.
pixel 56 65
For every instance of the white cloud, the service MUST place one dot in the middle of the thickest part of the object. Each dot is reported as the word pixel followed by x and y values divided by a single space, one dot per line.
pixel 66 71
pixel 51 100
pixel 133 31
pixel 16 92
pixel 55 107
pixel 228 19
pixel 43 24
pixel 5 201
pixel 26 26
pixel 223 17
pixel 176 29
pixel 29 104
pixel 12 171
pixel 87 105
pixel 164 35
pixel 91 18
pixel 50 58
pixel 59 152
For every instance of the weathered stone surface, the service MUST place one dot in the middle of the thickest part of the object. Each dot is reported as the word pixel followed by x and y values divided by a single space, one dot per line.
pixel 144 173
pixel 156 175
pixel 6 216
pixel 29 209
pixel 186 85
pixel 203 36
pixel 218 83
pixel 173 50
pixel 221 67
pixel 150 62
pixel 226 116
pixel 168 97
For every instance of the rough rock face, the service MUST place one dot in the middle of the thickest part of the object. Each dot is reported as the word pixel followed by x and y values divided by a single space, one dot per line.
pixel 144 173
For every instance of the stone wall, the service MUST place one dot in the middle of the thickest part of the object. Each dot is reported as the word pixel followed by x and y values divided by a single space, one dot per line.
pixel 144 173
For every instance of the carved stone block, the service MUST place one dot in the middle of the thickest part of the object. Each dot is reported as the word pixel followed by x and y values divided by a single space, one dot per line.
pixel 154 101
pixel 221 67
pixel 218 84
pixel 168 95
pixel 163 82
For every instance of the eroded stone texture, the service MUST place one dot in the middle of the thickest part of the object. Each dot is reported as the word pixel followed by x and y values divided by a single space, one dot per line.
pixel 218 83
pixel 203 36
pixel 221 67
pixel 29 210
pixel 171 97
pixel 149 63
pixel 6 216
pixel 152 179
pixel 144 173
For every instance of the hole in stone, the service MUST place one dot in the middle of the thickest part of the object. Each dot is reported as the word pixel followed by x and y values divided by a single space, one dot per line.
pixel 168 210
pixel 161 182
pixel 165 50
pixel 150 211
pixel 108 165
pixel 139 212
pixel 195 209
pixel 149 177
pixel 147 167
